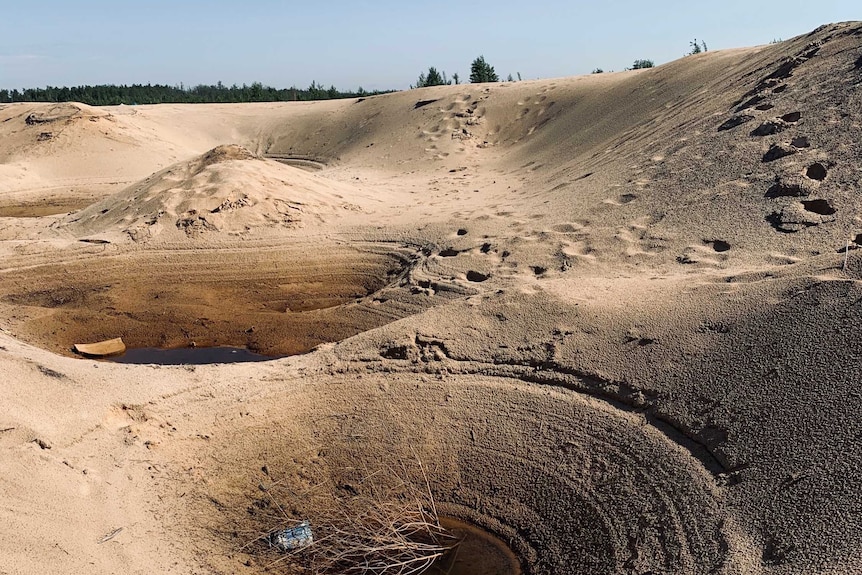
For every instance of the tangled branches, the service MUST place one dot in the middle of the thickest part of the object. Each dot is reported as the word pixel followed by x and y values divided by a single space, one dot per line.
pixel 381 522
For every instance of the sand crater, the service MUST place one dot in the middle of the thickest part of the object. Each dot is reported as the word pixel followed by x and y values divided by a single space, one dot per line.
pixel 272 300
pixel 555 474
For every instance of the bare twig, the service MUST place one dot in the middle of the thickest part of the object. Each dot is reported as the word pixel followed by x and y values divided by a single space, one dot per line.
pixel 110 535
pixel 382 523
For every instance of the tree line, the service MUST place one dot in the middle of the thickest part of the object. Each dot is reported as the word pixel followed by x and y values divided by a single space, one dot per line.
pixel 112 95
pixel 480 71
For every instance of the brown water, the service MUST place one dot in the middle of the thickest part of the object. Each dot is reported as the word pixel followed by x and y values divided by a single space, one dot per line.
pixel 188 355
pixel 46 208
pixel 479 553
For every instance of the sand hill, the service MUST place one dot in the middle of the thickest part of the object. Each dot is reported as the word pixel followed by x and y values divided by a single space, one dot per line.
pixel 227 190
pixel 616 316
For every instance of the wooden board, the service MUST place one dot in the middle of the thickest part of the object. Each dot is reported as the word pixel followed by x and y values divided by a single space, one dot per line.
pixel 102 348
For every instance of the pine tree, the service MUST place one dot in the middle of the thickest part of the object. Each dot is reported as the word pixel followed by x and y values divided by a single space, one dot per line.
pixel 433 78
pixel 481 71
pixel 697 47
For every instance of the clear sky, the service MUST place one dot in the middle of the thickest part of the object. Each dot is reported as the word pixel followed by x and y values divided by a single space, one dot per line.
pixel 376 45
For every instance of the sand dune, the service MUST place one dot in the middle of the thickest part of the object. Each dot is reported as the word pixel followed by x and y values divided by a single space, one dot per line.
pixel 225 191
pixel 616 317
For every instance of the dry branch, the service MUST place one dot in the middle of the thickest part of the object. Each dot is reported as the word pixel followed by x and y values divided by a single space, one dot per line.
pixel 374 522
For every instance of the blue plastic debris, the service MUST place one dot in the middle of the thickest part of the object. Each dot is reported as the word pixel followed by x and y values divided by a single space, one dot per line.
pixel 292 538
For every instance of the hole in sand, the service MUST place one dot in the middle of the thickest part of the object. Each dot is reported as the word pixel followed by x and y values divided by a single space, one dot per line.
pixel 819 206
pixel 792 117
pixel 816 171
pixel 423 103
pixel 475 276
pixel 461 232
pixel 278 301
pixel 719 245
pixel 800 142
pixel 356 448
pixel 449 253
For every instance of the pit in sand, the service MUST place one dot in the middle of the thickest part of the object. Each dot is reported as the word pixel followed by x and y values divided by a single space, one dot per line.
pixel 272 301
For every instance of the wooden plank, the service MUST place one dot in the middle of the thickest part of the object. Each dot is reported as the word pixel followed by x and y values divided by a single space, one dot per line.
pixel 102 348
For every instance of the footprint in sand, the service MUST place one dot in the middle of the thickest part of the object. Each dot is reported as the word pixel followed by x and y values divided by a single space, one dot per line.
pixel 783 259
pixel 819 206
pixel 571 227
pixel 578 250
pixel 800 142
pixel 637 239
pixel 778 151
pixel 719 246
pixel 620 200
pixel 776 125
pixel 816 171
pixel 477 277
pixel 707 254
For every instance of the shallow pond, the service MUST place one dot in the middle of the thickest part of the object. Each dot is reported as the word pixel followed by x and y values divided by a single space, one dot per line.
pixel 188 355
pixel 479 553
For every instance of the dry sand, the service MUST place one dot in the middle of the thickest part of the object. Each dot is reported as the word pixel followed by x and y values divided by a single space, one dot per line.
pixel 611 314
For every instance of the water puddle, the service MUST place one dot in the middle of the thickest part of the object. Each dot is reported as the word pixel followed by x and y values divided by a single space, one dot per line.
pixel 188 355
pixel 479 553
pixel 45 208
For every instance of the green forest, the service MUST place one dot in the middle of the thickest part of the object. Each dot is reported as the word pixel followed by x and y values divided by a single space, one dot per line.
pixel 110 95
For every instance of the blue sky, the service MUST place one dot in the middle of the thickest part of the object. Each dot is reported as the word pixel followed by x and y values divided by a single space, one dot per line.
pixel 376 45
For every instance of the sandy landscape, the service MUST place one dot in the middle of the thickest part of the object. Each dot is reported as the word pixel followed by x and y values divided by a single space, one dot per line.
pixel 617 317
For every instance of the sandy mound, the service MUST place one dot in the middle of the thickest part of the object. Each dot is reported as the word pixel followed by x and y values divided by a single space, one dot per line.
pixel 228 191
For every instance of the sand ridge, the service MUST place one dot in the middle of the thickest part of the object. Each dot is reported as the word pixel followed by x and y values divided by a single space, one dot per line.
pixel 616 316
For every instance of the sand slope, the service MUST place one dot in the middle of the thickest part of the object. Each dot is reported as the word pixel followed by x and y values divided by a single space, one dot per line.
pixel 616 317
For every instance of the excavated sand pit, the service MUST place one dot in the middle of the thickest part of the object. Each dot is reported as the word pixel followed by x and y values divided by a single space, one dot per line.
pixel 611 320
pixel 274 301
pixel 563 479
